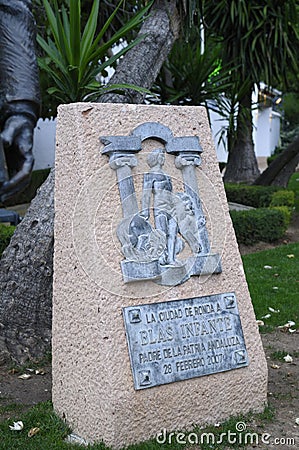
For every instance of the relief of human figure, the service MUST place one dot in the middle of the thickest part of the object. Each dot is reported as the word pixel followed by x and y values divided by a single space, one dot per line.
pixel 173 213
pixel 157 184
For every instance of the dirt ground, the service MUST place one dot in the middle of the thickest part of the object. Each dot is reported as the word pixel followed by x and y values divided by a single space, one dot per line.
pixel 283 386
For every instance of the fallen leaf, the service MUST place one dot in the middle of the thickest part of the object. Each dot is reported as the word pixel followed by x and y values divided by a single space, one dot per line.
pixel 25 376
pixel 275 288
pixel 17 426
pixel 267 267
pixel 267 316
pixel 291 256
pixel 288 358
pixel 292 331
pixel 275 366
pixel 287 325
pixel 297 421
pixel 40 372
pixel 276 311
pixel 33 431
pixel 260 323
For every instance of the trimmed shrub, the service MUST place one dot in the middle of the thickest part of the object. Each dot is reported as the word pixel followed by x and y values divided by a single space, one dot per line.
pixel 283 198
pixel 256 196
pixel 263 224
pixel 287 212
pixel 6 232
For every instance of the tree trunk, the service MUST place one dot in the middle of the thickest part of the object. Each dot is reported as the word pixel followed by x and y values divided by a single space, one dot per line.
pixel 242 163
pixel 26 265
pixel 26 282
pixel 280 170
pixel 142 64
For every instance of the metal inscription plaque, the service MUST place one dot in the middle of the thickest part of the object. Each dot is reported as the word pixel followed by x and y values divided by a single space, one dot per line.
pixel 182 339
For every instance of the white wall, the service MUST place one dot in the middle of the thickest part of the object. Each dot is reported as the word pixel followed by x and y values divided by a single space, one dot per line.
pixel 44 144
pixel 266 132
pixel 217 125
pixel 266 136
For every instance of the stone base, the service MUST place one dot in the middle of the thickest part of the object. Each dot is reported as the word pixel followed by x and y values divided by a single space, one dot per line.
pixel 169 275
pixel 92 378
pixel 205 264
pixel 173 275
pixel 140 271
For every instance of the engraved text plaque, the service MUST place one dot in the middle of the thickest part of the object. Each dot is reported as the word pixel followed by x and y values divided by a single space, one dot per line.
pixel 182 339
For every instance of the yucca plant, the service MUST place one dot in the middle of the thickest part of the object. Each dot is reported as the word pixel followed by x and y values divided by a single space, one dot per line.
pixel 193 77
pixel 74 57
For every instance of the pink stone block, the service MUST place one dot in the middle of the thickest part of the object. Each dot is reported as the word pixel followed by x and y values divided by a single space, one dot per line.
pixel 92 378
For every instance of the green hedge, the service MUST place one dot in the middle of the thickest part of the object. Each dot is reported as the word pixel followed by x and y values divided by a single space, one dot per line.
pixel 262 224
pixel 287 212
pixel 6 232
pixel 256 196
pixel 283 198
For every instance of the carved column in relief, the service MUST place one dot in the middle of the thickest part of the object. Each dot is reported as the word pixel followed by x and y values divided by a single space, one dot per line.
pixel 121 151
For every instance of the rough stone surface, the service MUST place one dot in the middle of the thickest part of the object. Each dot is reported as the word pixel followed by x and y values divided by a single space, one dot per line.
pixel 92 378
pixel 26 309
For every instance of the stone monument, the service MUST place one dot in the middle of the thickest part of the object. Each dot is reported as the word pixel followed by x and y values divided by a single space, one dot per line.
pixel 153 326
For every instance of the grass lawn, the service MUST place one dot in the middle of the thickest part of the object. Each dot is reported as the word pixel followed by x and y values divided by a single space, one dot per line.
pixel 53 431
pixel 273 280
pixel 276 286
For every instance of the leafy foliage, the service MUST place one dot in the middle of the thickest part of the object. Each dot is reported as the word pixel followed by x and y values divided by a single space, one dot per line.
pixel 6 232
pixel 291 108
pixel 261 36
pixel 287 212
pixel 259 41
pixel 256 196
pixel 75 57
pixel 191 77
pixel 283 198
pixel 262 224
pixel 228 108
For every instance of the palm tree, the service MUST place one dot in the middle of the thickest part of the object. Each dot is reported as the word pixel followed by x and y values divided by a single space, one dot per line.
pixel 260 42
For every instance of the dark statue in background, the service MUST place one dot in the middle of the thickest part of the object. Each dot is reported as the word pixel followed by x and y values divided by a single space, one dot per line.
pixel 19 95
